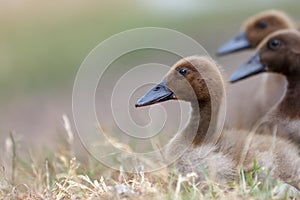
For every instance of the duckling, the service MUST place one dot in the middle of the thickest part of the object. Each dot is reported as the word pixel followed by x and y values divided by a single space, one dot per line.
pixel 199 147
pixel 271 87
pixel 279 53
pixel 255 29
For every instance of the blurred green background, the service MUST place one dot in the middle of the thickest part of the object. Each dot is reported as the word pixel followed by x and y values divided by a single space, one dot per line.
pixel 42 44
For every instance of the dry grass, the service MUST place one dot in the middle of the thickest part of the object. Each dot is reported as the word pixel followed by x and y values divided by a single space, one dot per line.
pixel 58 175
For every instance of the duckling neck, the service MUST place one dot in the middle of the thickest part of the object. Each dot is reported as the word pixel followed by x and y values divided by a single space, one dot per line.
pixel 199 130
pixel 290 104
pixel 203 122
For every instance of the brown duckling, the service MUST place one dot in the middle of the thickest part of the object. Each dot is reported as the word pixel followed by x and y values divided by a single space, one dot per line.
pixel 200 147
pixel 271 86
pixel 279 53
pixel 255 29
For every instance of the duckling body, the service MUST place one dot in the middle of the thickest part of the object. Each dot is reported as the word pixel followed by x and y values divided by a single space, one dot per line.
pixel 199 147
pixel 279 53
pixel 285 127
pixel 284 117
pixel 207 160
pixel 271 87
pixel 221 161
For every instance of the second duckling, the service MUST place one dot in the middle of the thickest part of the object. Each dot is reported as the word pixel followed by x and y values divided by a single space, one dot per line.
pixel 279 53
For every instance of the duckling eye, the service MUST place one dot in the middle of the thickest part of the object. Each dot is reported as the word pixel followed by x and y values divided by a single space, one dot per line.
pixel 261 25
pixel 182 71
pixel 274 44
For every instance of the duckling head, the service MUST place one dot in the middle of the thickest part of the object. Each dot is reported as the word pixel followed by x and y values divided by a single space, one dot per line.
pixel 195 79
pixel 279 53
pixel 255 29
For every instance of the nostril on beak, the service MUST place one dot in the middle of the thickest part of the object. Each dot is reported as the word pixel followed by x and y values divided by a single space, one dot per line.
pixel 157 88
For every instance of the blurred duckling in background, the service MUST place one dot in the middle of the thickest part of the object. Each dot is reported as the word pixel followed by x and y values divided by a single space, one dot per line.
pixel 272 86
pixel 255 29
pixel 200 147
pixel 279 53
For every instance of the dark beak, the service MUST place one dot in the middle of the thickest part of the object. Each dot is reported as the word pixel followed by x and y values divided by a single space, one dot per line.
pixel 158 93
pixel 237 43
pixel 250 68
